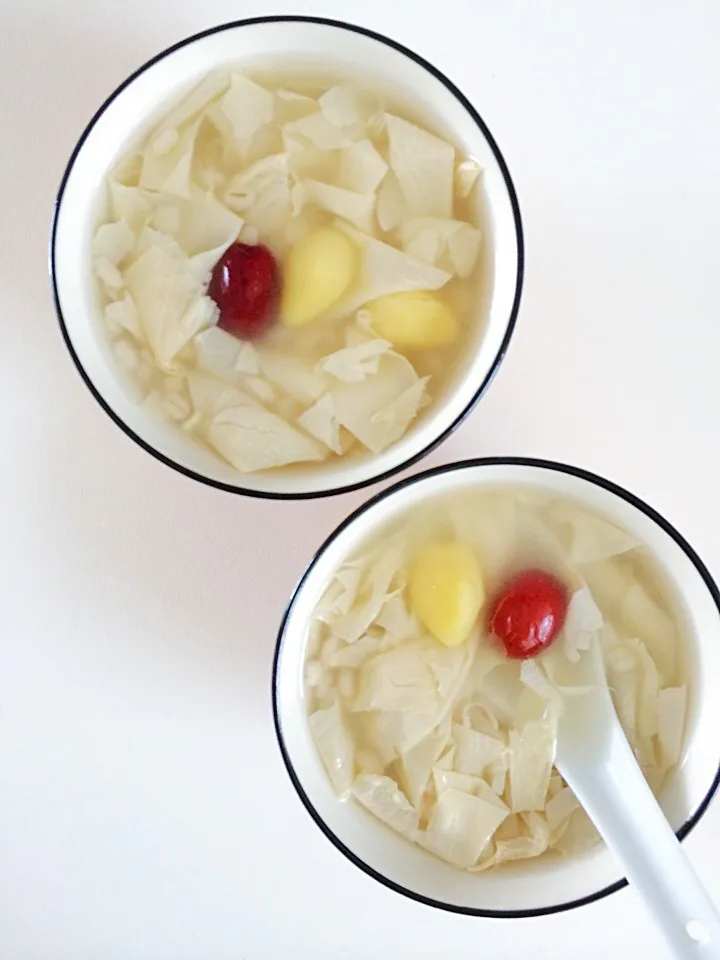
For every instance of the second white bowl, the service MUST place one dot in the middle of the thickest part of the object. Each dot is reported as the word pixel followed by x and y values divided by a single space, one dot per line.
pixel 544 886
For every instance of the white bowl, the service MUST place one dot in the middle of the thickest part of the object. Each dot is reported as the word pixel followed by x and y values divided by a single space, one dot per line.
pixel 530 889
pixel 131 109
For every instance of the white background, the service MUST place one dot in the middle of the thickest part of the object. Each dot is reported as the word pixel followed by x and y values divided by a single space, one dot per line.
pixel 144 810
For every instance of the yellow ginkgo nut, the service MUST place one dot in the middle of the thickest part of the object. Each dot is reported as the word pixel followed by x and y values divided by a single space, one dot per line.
pixel 318 271
pixel 446 590
pixel 414 318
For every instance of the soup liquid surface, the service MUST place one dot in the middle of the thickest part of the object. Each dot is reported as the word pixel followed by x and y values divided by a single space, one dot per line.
pixel 451 744
pixel 165 384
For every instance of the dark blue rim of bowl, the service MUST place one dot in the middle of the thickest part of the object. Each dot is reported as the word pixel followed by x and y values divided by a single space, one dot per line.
pixel 274 495
pixel 355 515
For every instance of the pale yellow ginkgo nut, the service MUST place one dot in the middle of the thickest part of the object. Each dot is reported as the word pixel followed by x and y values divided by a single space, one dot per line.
pixel 446 590
pixel 318 271
pixel 414 318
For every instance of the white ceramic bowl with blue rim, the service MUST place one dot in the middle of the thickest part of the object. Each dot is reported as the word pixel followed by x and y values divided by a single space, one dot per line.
pixel 533 888
pixel 131 110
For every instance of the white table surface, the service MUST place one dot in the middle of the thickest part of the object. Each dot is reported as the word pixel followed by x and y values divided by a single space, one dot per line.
pixel 144 810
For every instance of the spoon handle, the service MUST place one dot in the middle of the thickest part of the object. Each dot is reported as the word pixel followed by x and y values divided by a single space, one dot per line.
pixel 618 800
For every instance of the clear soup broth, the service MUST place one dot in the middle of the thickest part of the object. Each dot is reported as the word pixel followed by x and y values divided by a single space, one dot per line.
pixel 428 712
pixel 369 290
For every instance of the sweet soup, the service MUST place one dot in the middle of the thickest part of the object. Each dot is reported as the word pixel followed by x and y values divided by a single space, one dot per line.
pixel 439 656
pixel 290 270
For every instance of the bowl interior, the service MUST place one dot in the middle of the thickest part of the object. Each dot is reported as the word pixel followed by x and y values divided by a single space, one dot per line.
pixel 130 111
pixel 526 888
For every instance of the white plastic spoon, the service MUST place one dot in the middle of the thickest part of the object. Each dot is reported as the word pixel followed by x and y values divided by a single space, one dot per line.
pixel 595 759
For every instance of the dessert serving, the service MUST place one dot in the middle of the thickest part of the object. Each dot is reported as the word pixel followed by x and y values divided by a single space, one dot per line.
pixel 289 267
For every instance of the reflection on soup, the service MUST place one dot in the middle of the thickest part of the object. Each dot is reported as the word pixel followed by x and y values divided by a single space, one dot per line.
pixel 291 270
pixel 439 656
